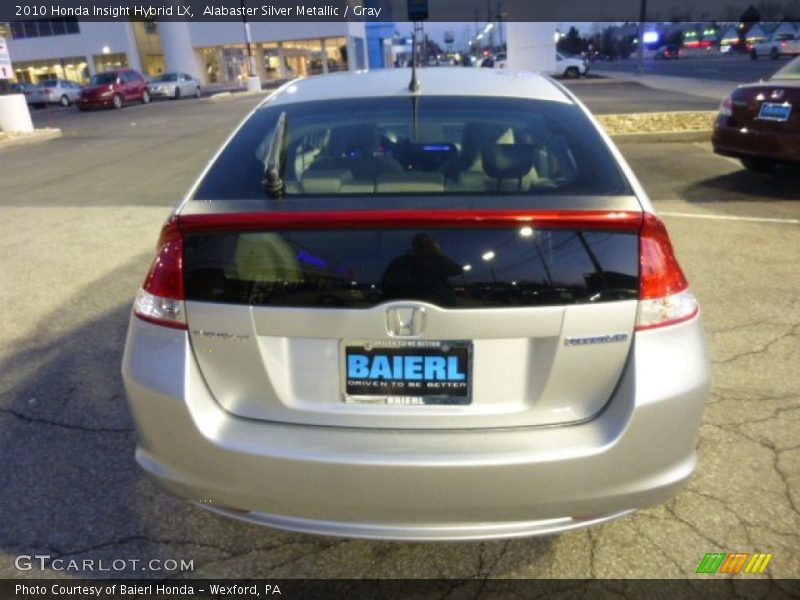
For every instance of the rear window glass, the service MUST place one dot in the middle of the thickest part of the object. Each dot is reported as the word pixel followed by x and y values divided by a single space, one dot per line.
pixel 103 78
pixel 455 268
pixel 429 145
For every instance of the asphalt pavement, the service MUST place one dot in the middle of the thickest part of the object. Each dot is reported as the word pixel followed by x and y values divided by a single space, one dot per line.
pixel 80 218
pixel 717 67
pixel 611 96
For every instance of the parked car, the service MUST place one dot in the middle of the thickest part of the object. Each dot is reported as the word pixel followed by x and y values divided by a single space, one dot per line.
pixel 20 88
pixel 113 89
pixel 782 44
pixel 462 321
pixel 570 67
pixel 52 91
pixel 315 66
pixel 174 85
pixel 666 52
pixel 759 123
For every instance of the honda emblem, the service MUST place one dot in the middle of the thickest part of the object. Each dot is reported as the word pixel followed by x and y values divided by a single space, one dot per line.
pixel 405 321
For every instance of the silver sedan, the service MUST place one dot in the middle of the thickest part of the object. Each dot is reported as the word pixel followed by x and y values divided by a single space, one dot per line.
pixel 52 91
pixel 444 313
pixel 174 85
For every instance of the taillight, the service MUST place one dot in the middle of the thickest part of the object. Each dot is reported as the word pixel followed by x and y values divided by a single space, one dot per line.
pixel 664 296
pixel 48 91
pixel 161 298
pixel 784 44
pixel 726 107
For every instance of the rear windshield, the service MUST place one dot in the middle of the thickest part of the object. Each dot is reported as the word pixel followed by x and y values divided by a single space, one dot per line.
pixel 427 145
pixel 166 77
pixel 103 78
pixel 457 268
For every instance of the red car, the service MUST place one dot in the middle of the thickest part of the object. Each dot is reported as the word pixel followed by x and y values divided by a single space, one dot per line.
pixel 114 88
pixel 759 123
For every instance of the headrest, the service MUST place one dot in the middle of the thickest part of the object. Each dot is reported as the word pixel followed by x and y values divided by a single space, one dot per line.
pixel 507 161
pixel 353 141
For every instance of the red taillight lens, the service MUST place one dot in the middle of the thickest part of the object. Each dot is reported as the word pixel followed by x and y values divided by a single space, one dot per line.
pixel 661 274
pixel 784 44
pixel 161 299
pixel 664 296
pixel 165 278
pixel 726 107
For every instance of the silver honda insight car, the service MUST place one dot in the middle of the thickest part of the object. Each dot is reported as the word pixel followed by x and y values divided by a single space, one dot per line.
pixel 438 313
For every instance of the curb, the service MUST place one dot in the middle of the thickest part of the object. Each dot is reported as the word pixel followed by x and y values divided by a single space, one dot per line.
pixel 695 135
pixel 37 135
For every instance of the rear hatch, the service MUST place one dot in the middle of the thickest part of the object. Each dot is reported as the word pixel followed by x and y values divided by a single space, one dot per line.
pixel 772 107
pixel 413 319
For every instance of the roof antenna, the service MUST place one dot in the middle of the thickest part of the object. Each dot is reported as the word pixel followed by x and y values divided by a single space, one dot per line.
pixel 413 86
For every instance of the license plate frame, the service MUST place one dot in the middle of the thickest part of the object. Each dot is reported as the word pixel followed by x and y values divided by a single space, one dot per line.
pixel 420 391
pixel 778 112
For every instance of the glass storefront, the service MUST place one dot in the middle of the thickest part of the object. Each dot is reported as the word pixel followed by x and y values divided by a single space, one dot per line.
pixel 73 68
pixel 211 64
pixel 229 64
pixel 148 42
pixel 109 62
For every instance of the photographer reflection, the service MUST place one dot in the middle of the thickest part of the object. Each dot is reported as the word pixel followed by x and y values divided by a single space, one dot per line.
pixel 421 274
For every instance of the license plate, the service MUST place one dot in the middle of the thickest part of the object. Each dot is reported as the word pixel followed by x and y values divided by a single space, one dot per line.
pixel 772 111
pixel 413 372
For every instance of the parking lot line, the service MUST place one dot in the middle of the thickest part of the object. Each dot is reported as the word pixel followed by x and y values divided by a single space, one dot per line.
pixel 729 218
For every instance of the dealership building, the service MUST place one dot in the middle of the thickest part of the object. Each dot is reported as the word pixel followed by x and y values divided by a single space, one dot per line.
pixel 214 52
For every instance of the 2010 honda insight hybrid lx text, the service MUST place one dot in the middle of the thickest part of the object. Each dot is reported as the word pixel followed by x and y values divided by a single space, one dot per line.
pixel 437 313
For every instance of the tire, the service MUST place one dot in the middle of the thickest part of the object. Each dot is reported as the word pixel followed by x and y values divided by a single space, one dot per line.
pixel 197 92
pixel 757 165
pixel 177 95
pixel 64 101
pixel 774 54
pixel 145 97
pixel 82 108
pixel 753 54
pixel 572 73
pixel 116 102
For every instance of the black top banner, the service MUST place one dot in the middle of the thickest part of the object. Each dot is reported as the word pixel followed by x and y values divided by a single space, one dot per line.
pixel 398 10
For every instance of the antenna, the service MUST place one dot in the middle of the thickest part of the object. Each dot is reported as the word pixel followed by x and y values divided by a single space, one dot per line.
pixel 417 12
pixel 413 86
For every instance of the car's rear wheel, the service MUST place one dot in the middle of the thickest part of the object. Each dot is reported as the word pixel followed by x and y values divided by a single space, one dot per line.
pixel 145 97
pixel 774 54
pixel 116 102
pixel 177 94
pixel 754 54
pixel 82 108
pixel 757 165
pixel 64 101
pixel 572 73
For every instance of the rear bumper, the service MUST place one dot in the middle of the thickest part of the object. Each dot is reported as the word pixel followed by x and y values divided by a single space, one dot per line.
pixel 414 484
pixel 774 145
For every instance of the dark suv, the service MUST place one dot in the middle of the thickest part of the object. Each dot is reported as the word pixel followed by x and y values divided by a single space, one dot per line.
pixel 114 88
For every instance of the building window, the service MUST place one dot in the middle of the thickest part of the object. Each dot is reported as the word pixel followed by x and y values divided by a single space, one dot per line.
pixel 73 68
pixel 43 28
pixel 109 62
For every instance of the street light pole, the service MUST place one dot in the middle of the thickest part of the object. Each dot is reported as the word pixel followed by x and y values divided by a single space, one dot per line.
pixel 253 79
pixel 640 50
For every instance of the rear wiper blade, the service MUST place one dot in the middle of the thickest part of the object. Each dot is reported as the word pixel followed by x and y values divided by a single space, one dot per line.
pixel 273 172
